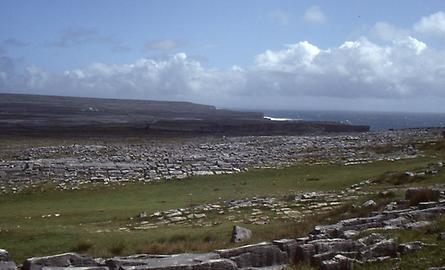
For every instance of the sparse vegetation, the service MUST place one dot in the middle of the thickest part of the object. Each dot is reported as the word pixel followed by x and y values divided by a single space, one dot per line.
pixel 94 215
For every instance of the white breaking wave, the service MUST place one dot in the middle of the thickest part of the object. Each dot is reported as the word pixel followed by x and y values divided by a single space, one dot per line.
pixel 280 119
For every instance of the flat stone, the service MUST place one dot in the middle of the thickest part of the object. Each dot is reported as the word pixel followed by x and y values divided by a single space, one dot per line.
pixel 60 260
pixel 214 264
pixel 176 261
pixel 258 255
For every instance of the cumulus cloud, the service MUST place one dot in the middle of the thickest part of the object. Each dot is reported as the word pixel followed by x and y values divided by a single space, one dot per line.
pixel 163 44
pixel 433 24
pixel 314 14
pixel 388 32
pixel 397 67
pixel 354 69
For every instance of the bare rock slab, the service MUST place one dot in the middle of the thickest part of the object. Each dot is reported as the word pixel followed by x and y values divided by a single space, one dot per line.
pixel 60 260
pixel 201 261
pixel 258 255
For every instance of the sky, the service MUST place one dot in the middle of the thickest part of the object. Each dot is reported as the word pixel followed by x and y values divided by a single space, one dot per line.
pixel 250 54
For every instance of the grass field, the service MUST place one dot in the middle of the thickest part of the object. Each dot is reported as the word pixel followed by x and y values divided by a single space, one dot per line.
pixel 24 233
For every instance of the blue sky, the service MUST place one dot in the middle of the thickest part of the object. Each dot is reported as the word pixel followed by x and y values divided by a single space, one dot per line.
pixel 228 53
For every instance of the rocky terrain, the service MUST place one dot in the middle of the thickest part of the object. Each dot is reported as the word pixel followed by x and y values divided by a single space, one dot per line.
pixel 349 242
pixel 72 166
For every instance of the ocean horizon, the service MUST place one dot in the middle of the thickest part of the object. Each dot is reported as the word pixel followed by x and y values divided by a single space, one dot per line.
pixel 376 120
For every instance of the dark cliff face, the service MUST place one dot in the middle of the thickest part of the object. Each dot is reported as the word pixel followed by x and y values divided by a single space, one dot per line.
pixel 21 114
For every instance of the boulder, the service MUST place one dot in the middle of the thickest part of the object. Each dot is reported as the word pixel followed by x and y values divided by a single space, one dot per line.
pixel 4 255
pixel 60 260
pixel 240 234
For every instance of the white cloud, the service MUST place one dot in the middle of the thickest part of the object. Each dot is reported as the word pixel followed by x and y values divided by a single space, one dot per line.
pixel 358 68
pixel 295 56
pixel 280 17
pixel 433 24
pixel 314 14
pixel 388 32
pixel 405 68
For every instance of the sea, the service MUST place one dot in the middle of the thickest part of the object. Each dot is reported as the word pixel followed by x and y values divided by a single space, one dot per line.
pixel 377 121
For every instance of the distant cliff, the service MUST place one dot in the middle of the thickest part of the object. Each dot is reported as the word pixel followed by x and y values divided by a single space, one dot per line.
pixel 24 114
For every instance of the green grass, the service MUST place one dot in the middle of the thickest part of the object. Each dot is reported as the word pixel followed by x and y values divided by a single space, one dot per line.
pixel 83 212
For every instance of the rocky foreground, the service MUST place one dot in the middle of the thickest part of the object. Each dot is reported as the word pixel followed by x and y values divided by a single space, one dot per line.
pixel 329 247
pixel 72 166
